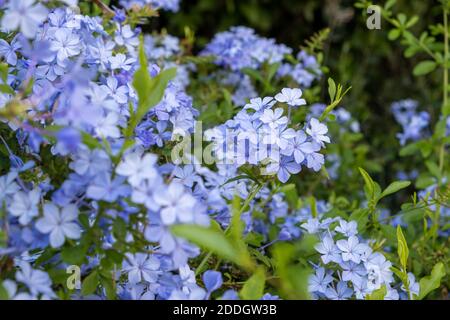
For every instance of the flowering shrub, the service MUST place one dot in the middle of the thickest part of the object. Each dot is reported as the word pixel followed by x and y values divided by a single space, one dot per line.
pixel 133 168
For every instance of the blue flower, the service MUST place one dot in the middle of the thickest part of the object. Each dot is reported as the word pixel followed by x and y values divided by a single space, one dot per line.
pixel 37 281
pixel 176 205
pixel 291 96
pixel 330 252
pixel 274 118
pixel 103 188
pixel 59 223
pixel 284 168
pixel 66 44
pixel 24 15
pixel 9 51
pixel 342 292
pixel 299 147
pixel 212 280
pixel 25 205
pixel 351 249
pixel 142 267
pixel 347 228
pixel 318 131
pixel 137 168
pixel 319 281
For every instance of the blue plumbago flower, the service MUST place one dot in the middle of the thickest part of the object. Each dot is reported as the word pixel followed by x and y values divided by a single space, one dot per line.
pixel 25 15
pixel 212 280
pixel 142 267
pixel 176 204
pixel 318 131
pixel 329 251
pixel 304 73
pixel 291 96
pixel 137 168
pixel 8 185
pixel 37 281
pixel 341 292
pixel 103 188
pixel 259 104
pixel 379 271
pixel 9 50
pixel 414 123
pixel 25 205
pixel 351 249
pixel 319 281
pixel 59 223
pixel 347 228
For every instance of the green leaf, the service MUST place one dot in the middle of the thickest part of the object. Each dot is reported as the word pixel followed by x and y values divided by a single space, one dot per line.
pixel 331 89
pixel 389 4
pixel 431 282
pixel 150 90
pixel 90 141
pixel 120 229
pixel 74 255
pixel 236 225
pixel 4 88
pixel 90 283
pixel 389 233
pixel 3 293
pixel 378 294
pixel 361 216
pixel 424 68
pixel 394 34
pixel 394 187
pixel 4 70
pixel 253 74
pixel 273 68
pixel 110 290
pixel 433 168
pixel 212 240
pixel 402 248
pixel 253 288
pixel 370 184
pixel 291 194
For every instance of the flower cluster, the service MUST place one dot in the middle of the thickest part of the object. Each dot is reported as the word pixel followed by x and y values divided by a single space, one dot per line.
pixel 170 5
pixel 414 123
pixel 90 110
pixel 241 48
pixel 349 267
pixel 260 134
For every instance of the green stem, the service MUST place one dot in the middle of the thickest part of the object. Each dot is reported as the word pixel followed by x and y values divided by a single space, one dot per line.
pixel 244 207
pixel 445 85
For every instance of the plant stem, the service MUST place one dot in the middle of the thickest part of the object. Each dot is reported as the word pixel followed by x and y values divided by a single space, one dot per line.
pixel 252 195
pixel 445 85
pixel 107 10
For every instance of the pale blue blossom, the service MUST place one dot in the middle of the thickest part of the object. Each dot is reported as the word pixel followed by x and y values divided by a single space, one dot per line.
pixel 138 168
pixel 37 281
pixel 291 96
pixel 25 205
pixel 318 131
pixel 25 15
pixel 59 223
pixel 141 267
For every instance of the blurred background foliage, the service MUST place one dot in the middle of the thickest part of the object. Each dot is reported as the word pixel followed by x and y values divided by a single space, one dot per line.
pixel 365 59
